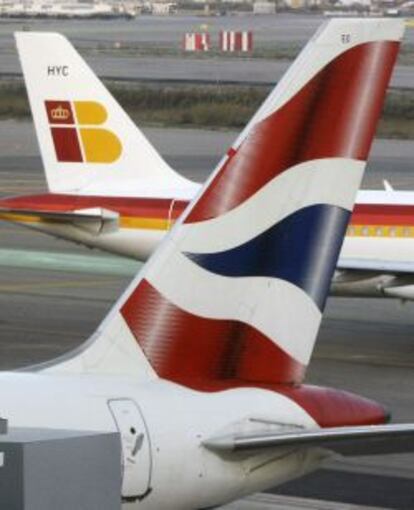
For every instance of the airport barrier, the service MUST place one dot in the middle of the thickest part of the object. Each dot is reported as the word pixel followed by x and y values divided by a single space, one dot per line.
pixel 196 41
pixel 230 40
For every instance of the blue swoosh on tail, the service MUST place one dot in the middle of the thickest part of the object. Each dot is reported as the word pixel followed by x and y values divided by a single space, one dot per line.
pixel 291 250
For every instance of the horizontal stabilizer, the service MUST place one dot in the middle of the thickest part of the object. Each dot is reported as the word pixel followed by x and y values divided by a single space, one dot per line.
pixel 96 220
pixel 366 440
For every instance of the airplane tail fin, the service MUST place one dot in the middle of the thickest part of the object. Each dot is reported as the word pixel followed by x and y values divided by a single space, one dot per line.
pixel 88 143
pixel 235 294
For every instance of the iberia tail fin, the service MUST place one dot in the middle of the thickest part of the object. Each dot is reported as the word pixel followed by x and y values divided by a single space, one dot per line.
pixel 88 143
pixel 235 294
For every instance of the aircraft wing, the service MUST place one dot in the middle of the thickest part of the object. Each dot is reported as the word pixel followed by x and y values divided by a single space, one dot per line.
pixel 376 266
pixel 95 220
pixel 364 440
pixel 361 277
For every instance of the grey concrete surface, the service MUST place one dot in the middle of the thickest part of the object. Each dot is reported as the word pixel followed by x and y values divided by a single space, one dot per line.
pixel 365 346
pixel 21 167
pixel 283 28
pixel 286 28
pixel 90 36
pixel 275 502
pixel 210 70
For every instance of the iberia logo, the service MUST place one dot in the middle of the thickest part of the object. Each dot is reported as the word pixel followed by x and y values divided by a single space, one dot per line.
pixel 75 135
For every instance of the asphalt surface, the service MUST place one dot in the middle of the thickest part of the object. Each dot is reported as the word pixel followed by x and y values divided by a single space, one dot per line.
pixel 192 152
pixel 365 346
pixel 279 502
pixel 283 28
pixel 145 30
pixel 96 38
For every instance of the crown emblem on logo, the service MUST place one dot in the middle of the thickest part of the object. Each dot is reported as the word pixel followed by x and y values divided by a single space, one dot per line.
pixel 60 113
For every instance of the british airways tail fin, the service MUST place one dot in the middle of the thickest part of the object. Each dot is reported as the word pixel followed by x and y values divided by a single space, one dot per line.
pixel 235 294
pixel 88 143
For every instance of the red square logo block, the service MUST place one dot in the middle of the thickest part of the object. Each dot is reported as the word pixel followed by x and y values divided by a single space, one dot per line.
pixel 67 145
pixel 59 112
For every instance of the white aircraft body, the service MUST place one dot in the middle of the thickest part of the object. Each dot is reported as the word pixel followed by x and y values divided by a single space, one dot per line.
pixel 110 189
pixel 378 252
pixel 200 364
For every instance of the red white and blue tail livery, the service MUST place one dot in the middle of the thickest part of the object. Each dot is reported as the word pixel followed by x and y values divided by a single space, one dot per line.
pixel 108 188
pixel 205 352
pixel 238 288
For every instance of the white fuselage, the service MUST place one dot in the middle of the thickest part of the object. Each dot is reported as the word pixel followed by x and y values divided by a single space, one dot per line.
pixel 172 469
pixel 378 236
pixel 380 247
pixel 140 243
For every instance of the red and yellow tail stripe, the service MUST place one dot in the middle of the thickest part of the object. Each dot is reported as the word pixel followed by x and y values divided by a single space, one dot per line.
pixel 134 213
pixel 368 220
pixel 380 220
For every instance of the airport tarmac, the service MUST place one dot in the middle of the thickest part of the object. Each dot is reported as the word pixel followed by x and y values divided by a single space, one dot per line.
pixel 285 28
pixel 53 295
pixel 96 40
pixel 168 30
pixel 215 70
pixel 277 502
pixel 194 152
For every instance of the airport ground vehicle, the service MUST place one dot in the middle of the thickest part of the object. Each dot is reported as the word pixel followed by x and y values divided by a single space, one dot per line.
pixel 200 364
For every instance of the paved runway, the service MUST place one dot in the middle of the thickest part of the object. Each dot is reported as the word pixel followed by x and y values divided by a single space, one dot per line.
pixel 283 28
pixel 213 70
pixel 95 37
pixel 286 28
pixel 48 306
pixel 390 159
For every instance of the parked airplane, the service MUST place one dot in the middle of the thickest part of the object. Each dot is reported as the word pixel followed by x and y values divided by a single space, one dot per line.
pixel 377 255
pixel 108 186
pixel 110 189
pixel 125 198
pixel 200 363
